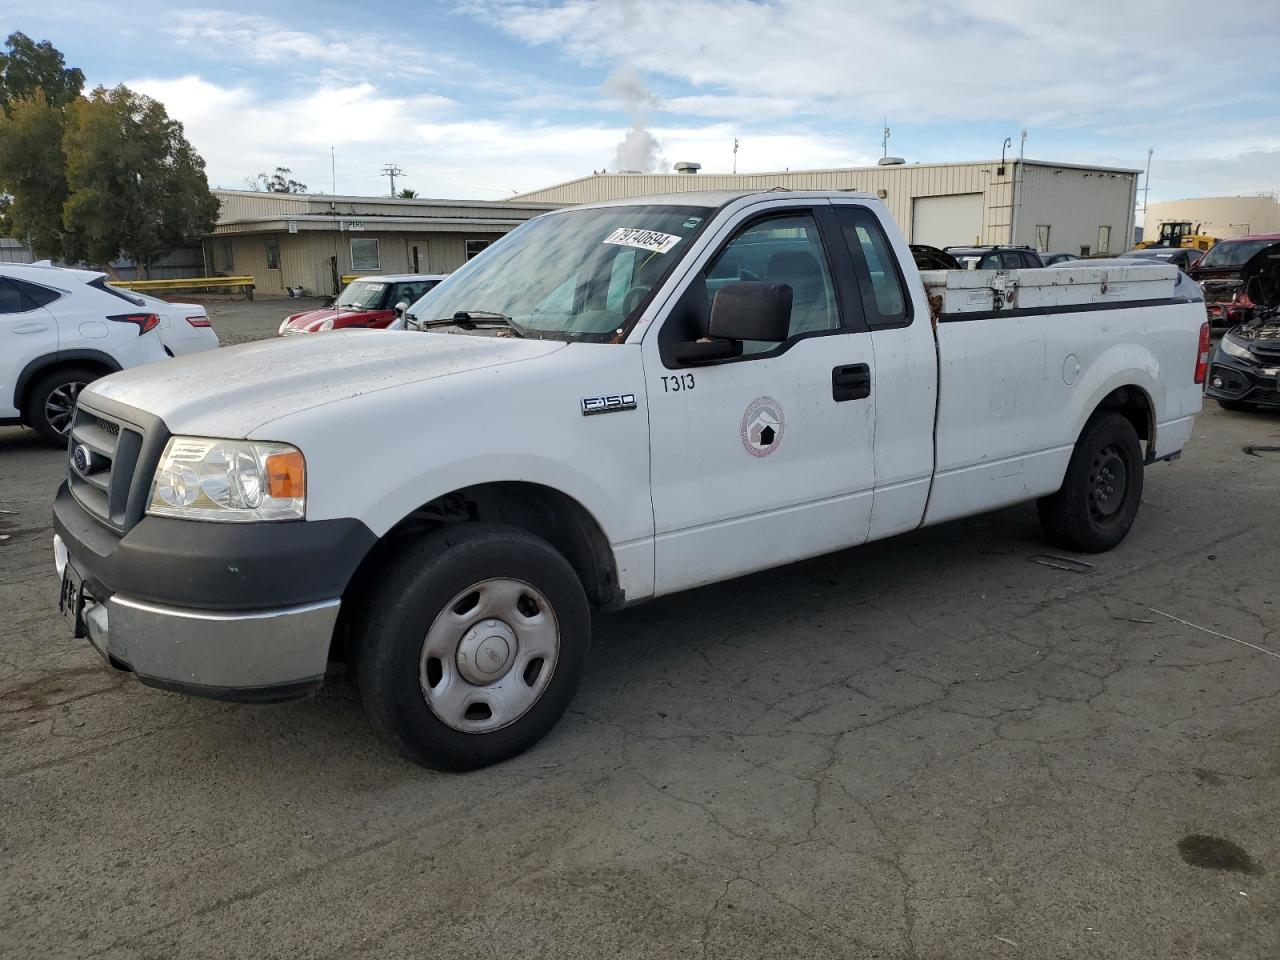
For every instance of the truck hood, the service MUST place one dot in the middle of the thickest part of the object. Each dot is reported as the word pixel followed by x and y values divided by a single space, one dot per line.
pixel 235 390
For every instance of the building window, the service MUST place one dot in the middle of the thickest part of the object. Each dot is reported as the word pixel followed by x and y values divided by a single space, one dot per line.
pixel 1042 237
pixel 1084 249
pixel 475 246
pixel 273 253
pixel 364 255
pixel 224 260
pixel 1104 238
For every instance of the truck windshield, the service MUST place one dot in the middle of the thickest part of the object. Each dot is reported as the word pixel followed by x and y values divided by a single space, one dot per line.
pixel 576 275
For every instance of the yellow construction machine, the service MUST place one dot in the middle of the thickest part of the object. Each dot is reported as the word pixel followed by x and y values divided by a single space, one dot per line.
pixel 1178 233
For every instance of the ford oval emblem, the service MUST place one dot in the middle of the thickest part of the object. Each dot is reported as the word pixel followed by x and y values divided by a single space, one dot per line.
pixel 82 458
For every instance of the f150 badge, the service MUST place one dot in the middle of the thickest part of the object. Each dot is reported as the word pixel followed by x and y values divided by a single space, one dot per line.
pixel 610 404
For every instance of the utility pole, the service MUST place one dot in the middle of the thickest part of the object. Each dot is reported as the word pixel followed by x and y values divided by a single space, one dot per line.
pixel 1146 189
pixel 333 172
pixel 735 154
pixel 884 142
pixel 392 171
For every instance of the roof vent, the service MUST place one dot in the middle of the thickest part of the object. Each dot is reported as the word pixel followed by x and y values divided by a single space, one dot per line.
pixel 685 166
pixel 891 161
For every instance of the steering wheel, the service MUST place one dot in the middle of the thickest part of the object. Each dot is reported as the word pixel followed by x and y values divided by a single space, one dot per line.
pixel 635 296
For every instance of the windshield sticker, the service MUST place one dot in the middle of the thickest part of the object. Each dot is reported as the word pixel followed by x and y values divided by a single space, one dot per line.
pixel 642 239
pixel 692 222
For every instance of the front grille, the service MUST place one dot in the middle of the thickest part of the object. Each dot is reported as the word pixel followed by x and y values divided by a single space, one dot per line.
pixel 102 460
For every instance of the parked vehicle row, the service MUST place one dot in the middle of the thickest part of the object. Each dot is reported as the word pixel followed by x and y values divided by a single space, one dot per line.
pixel 614 402
pixel 61 329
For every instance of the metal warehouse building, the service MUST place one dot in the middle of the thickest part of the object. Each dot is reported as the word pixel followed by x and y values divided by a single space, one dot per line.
pixel 1061 207
pixel 300 240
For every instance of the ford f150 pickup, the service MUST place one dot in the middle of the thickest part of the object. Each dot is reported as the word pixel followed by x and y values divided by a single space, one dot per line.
pixel 612 403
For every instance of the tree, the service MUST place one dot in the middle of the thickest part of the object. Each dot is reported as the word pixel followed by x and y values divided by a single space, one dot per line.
pixel 135 184
pixel 278 182
pixel 407 194
pixel 27 67
pixel 33 181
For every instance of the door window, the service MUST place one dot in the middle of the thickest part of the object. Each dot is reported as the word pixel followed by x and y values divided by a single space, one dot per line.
pixel 273 253
pixel 884 294
pixel 781 250
pixel 33 295
pixel 1104 238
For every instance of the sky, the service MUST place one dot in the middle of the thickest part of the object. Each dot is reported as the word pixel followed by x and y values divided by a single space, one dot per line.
pixel 480 99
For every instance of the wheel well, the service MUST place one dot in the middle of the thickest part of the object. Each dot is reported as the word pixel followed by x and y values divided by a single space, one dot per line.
pixel 1134 405
pixel 542 511
pixel 38 371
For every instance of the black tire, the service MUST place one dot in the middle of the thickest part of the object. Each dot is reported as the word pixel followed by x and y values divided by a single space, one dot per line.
pixel 1236 406
pixel 421 580
pixel 1102 490
pixel 50 402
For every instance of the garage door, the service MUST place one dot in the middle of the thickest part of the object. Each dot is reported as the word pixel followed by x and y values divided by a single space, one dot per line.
pixel 946 221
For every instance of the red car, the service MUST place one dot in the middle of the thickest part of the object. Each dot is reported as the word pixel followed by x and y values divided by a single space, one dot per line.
pixel 367 302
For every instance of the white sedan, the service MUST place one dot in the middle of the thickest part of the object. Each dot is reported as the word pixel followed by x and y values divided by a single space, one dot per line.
pixel 184 327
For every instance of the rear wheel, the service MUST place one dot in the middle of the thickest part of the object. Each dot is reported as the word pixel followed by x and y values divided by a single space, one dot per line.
pixel 1102 490
pixel 472 645
pixel 51 403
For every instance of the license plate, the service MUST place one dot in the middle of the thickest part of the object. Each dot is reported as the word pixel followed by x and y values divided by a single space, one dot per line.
pixel 71 600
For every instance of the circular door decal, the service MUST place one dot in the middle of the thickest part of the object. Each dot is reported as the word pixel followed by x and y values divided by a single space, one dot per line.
pixel 762 426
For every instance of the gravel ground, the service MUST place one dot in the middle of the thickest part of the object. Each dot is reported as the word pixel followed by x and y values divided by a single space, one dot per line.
pixel 931 747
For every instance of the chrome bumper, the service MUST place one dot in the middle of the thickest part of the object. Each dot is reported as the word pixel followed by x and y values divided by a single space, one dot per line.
pixel 258 655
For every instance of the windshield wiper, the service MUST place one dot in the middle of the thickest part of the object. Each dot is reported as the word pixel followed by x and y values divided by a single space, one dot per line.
pixel 471 319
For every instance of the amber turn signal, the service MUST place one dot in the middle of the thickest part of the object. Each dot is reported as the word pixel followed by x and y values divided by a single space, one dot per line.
pixel 286 475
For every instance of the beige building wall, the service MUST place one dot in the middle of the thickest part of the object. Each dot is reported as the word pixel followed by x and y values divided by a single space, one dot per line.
pixel 1085 211
pixel 306 258
pixel 1073 200
pixel 1219 217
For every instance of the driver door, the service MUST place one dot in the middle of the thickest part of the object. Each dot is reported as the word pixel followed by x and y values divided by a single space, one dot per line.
pixel 765 458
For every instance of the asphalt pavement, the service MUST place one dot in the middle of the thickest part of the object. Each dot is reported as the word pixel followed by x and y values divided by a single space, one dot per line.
pixel 945 745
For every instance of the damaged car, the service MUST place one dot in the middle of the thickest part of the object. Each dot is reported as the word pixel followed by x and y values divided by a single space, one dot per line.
pixel 1244 371
pixel 1220 275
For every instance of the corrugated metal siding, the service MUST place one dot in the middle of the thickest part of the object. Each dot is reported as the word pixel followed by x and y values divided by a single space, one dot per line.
pixel 902 184
pixel 239 206
pixel 1074 203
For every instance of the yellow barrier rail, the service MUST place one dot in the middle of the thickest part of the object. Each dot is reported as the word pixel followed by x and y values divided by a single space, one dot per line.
pixel 245 284
pixel 346 278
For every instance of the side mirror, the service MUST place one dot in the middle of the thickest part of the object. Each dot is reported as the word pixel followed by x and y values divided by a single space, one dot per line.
pixel 751 310
pixel 401 307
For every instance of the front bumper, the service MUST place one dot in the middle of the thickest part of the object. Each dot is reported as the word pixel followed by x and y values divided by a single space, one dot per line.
pixel 1240 382
pixel 233 611
pixel 258 657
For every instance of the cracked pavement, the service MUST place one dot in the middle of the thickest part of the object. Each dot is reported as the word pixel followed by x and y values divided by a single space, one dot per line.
pixel 922 748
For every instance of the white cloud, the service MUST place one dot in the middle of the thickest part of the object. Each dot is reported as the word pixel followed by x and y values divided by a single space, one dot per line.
pixel 960 60
pixel 239 132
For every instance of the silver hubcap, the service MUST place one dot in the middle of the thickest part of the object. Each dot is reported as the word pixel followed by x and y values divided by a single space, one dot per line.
pixel 489 655
pixel 60 405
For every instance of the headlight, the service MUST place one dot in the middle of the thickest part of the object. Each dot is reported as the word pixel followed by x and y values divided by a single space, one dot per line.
pixel 1233 349
pixel 326 325
pixel 284 325
pixel 229 480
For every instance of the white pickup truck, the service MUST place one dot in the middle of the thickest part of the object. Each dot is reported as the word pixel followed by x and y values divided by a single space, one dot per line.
pixel 612 403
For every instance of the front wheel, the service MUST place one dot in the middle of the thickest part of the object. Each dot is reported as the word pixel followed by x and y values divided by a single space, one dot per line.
pixel 1100 494
pixel 472 645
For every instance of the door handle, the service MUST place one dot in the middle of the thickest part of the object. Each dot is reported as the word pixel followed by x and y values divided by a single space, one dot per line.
pixel 31 328
pixel 852 382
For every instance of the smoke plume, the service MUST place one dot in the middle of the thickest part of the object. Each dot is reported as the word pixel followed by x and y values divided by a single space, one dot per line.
pixel 639 149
